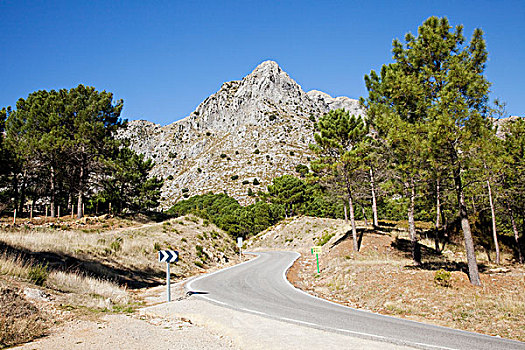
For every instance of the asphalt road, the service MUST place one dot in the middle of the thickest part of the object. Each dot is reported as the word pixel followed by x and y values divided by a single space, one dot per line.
pixel 259 286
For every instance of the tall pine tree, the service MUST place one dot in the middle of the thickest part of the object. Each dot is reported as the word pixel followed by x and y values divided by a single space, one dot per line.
pixel 437 83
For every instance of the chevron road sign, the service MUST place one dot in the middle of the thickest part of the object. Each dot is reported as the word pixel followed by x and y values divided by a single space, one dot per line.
pixel 168 256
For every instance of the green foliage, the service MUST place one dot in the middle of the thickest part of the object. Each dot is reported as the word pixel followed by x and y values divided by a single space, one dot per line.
pixel 442 278
pixel 302 170
pixel 322 204
pixel 116 245
pixel 287 190
pixel 38 274
pixel 325 238
pixel 228 214
pixel 62 146
pixel 128 185
pixel 430 106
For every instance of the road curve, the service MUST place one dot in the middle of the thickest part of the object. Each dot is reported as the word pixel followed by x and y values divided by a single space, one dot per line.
pixel 259 286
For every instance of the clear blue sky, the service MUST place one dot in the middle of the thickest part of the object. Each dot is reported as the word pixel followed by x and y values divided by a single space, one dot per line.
pixel 164 57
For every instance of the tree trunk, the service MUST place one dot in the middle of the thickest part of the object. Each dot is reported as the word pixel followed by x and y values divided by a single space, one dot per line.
pixel 494 232
pixel 22 194
pixel 374 202
pixel 346 214
pixel 52 198
pixel 352 221
pixel 516 234
pixel 80 214
pixel 416 256
pixel 364 215
pixel 438 215
pixel 467 233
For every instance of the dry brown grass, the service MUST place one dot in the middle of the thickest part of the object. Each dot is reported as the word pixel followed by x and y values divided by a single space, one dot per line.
pixel 85 268
pixel 13 266
pixel 132 248
pixel 20 321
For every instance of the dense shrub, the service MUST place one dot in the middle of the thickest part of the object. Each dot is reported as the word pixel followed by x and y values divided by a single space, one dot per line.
pixel 228 214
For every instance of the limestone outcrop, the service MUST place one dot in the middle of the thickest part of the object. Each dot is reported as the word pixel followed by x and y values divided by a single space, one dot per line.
pixel 257 128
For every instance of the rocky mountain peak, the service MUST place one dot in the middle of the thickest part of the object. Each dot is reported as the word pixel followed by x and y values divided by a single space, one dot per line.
pixel 256 128
pixel 267 68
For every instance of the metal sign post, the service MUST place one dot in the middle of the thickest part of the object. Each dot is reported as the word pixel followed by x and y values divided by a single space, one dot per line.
pixel 239 245
pixel 168 284
pixel 317 250
pixel 168 256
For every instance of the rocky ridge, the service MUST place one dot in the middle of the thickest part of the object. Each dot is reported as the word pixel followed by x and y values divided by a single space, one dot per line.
pixel 256 128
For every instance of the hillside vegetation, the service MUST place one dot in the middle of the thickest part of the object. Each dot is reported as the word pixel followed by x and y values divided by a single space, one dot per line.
pixel 63 269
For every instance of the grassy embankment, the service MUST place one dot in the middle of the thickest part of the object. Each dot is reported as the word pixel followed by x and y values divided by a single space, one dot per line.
pixel 57 270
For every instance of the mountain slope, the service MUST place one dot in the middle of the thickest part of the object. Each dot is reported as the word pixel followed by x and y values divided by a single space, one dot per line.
pixel 256 128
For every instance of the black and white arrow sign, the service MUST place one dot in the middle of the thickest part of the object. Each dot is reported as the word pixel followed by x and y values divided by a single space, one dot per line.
pixel 168 256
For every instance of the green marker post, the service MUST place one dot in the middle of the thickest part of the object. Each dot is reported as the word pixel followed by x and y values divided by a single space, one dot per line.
pixel 316 250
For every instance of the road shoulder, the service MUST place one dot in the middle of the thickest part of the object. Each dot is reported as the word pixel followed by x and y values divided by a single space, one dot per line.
pixel 250 331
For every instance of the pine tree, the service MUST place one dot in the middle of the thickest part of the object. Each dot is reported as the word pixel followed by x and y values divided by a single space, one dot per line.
pixel 340 149
pixel 39 132
pixel 436 83
pixel 95 119
pixel 128 184
pixel 288 191
pixel 514 178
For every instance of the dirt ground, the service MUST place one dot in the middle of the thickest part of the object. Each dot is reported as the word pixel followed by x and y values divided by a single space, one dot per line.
pixel 133 330
pixel 382 278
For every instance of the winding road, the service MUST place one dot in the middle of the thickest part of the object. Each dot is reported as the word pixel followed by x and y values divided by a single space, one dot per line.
pixel 259 286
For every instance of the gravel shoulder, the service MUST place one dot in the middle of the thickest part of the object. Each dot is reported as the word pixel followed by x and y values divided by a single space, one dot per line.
pixel 250 331
pixel 142 330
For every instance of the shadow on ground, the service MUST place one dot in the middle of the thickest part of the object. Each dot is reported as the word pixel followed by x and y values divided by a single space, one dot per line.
pixel 431 259
pixel 131 278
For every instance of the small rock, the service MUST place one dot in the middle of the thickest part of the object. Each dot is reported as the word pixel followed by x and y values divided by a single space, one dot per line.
pixel 36 294
pixel 499 270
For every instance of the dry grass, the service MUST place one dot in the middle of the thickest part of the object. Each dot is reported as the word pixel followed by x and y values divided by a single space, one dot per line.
pixel 86 268
pixel 13 266
pixel 86 291
pixel 130 248
pixel 96 289
pixel 20 321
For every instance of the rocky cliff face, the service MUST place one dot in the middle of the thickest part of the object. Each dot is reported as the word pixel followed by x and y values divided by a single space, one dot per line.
pixel 254 129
